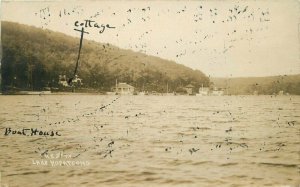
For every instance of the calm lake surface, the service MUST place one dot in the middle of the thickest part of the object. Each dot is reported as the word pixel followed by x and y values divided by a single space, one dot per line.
pixel 150 140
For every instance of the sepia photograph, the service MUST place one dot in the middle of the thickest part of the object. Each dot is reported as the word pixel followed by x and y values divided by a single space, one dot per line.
pixel 162 93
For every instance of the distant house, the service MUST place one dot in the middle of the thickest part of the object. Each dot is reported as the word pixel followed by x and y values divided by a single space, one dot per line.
pixel 204 91
pixel 217 91
pixel 123 89
pixel 62 80
pixel 189 89
pixel 77 81
pixel 280 92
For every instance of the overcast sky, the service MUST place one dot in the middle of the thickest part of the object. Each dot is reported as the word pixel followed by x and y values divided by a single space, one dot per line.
pixel 221 38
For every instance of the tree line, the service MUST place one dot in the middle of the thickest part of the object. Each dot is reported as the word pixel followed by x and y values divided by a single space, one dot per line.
pixel 33 58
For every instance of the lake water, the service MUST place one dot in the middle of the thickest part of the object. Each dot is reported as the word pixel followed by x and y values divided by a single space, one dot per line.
pixel 150 140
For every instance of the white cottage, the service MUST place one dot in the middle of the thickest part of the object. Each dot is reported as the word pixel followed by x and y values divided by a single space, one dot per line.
pixel 123 89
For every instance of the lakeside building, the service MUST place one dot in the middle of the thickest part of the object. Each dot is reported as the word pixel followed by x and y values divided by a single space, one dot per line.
pixel 208 91
pixel 189 89
pixel 217 91
pixel 123 89
pixel 203 91
pixel 62 80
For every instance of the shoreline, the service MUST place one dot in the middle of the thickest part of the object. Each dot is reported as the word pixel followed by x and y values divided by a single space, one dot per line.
pixel 105 94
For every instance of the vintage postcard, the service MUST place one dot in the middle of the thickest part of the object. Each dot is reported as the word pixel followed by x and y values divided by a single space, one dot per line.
pixel 150 93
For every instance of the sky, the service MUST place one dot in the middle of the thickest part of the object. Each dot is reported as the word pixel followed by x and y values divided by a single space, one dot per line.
pixel 221 38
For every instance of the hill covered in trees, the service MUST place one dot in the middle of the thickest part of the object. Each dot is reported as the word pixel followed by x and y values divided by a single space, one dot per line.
pixel 262 85
pixel 33 58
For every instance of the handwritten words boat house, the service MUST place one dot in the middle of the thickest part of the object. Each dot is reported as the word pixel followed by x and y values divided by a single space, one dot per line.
pixel 123 88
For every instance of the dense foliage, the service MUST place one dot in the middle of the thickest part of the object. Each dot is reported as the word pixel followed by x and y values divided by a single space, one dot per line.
pixel 34 58
pixel 261 85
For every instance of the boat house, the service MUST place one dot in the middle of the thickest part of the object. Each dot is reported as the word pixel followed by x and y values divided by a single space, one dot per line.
pixel 123 89
pixel 204 91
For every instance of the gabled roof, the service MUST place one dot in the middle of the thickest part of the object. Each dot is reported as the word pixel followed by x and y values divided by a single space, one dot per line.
pixel 189 86
pixel 124 85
